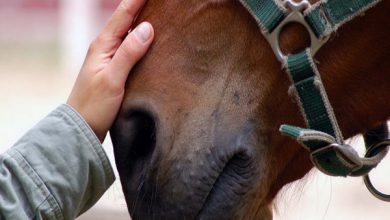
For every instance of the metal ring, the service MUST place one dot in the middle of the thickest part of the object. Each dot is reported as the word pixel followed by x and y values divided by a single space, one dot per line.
pixel 294 16
pixel 367 181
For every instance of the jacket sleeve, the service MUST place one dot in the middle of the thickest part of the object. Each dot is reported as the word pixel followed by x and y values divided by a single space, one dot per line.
pixel 58 170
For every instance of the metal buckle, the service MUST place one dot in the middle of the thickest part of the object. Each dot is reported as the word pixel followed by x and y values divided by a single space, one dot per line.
pixel 295 15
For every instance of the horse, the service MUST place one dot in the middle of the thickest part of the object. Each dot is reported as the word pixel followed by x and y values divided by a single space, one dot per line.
pixel 197 136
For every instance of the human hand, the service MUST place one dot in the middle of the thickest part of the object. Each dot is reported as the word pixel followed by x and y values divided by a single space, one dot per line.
pixel 99 88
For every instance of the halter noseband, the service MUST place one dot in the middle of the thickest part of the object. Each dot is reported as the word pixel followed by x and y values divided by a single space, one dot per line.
pixel 323 138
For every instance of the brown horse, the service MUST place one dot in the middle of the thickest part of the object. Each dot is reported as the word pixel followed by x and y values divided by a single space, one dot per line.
pixel 197 136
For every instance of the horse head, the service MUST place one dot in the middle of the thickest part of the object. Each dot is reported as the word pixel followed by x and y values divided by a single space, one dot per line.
pixel 197 135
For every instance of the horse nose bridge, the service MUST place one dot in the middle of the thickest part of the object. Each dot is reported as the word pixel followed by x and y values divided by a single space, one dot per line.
pixel 199 137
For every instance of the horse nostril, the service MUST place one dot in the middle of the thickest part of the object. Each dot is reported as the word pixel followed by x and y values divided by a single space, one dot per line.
pixel 134 139
pixel 144 133
pixel 239 166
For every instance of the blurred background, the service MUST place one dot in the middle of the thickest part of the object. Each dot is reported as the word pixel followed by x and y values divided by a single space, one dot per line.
pixel 42 46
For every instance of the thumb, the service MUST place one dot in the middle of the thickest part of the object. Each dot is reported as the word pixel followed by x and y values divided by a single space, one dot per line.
pixel 132 49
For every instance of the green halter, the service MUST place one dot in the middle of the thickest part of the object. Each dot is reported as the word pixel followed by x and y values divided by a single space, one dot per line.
pixel 322 138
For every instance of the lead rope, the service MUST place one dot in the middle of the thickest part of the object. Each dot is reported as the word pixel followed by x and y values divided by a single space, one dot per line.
pixel 322 138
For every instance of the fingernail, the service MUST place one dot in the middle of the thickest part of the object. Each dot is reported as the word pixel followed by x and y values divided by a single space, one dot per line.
pixel 143 32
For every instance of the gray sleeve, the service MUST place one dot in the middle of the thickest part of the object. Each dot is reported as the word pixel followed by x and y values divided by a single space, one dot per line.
pixel 58 170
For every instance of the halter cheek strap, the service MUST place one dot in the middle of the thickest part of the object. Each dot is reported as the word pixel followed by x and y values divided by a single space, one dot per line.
pixel 322 138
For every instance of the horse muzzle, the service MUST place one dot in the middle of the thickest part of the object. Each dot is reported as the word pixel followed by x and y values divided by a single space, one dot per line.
pixel 186 171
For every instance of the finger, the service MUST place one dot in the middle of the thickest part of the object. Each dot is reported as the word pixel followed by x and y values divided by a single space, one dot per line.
pixel 131 51
pixel 122 19
pixel 111 37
